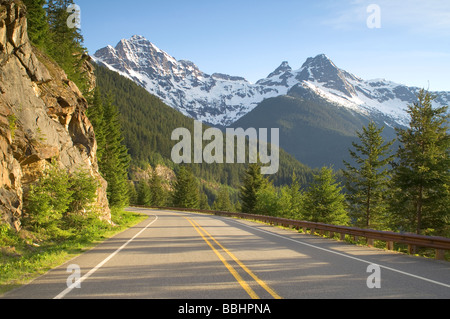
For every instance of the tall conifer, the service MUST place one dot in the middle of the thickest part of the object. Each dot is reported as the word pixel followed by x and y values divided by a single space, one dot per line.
pixel 324 201
pixel 253 182
pixel 158 193
pixel 367 182
pixel 186 190
pixel 422 174
pixel 115 159
pixel 65 44
pixel 37 22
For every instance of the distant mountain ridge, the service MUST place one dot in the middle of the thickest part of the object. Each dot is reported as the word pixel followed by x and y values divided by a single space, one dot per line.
pixel 221 99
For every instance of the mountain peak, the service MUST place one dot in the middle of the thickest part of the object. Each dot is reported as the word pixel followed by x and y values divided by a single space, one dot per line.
pixel 320 61
pixel 321 69
pixel 285 65
pixel 283 68
pixel 221 99
pixel 137 37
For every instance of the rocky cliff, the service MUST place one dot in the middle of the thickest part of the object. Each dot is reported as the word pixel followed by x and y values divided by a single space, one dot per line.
pixel 42 117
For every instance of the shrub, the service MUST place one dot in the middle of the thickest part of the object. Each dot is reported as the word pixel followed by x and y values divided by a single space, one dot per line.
pixel 60 204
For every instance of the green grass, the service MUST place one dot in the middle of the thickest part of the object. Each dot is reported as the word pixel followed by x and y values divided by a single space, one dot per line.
pixel 22 260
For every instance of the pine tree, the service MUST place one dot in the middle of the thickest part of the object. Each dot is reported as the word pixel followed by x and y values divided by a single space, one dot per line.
pixel 367 183
pixel 37 22
pixel 144 195
pixel 422 175
pixel 186 190
pixel 290 200
pixel 203 201
pixel 84 188
pixel 49 199
pixel 324 201
pixel 223 201
pixel 253 182
pixel 96 116
pixel 132 193
pixel 268 201
pixel 285 202
pixel 65 45
pixel 158 194
pixel 296 196
pixel 115 159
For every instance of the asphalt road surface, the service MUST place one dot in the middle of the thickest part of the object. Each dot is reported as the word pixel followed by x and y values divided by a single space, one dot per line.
pixel 179 255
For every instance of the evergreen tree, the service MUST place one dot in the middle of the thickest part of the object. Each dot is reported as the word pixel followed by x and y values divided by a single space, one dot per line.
pixel 65 45
pixel 115 160
pixel 132 193
pixel 144 195
pixel 49 199
pixel 59 200
pixel 186 190
pixel 112 154
pixel 203 201
pixel 268 201
pixel 285 202
pixel 158 194
pixel 96 116
pixel 253 182
pixel 422 175
pixel 37 22
pixel 367 183
pixel 82 209
pixel 296 197
pixel 324 201
pixel 84 188
pixel 223 201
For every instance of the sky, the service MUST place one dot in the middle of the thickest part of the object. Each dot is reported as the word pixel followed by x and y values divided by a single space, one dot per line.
pixel 404 41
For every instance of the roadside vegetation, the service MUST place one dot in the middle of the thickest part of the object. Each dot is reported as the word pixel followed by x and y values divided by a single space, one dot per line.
pixel 28 254
pixel 403 189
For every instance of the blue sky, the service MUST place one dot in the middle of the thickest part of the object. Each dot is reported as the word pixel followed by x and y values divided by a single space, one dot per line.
pixel 251 38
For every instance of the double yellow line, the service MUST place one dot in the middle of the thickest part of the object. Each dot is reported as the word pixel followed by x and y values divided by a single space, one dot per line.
pixel 204 234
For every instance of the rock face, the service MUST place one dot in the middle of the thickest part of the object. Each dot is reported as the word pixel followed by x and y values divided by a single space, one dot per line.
pixel 42 117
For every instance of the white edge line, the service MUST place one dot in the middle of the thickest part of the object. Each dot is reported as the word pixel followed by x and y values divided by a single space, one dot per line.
pixel 345 255
pixel 93 270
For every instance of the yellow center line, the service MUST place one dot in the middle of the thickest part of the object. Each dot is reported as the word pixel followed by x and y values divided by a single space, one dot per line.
pixel 236 275
pixel 245 268
pixel 248 271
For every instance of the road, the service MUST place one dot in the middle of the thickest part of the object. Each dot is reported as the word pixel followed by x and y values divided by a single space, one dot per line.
pixel 179 255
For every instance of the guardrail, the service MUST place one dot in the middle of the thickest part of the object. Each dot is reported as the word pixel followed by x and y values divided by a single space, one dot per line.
pixel 440 244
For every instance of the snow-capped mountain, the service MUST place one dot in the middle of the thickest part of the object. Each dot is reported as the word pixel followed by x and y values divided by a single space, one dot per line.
pixel 221 99
pixel 215 99
pixel 319 77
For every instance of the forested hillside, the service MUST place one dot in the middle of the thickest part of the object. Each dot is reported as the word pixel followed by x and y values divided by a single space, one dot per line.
pixel 148 125
pixel 399 187
pixel 316 132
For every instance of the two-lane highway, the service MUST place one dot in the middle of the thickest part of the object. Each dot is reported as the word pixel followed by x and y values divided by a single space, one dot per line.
pixel 178 255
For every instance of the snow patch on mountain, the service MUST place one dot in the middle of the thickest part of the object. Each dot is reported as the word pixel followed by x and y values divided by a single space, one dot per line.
pixel 221 99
